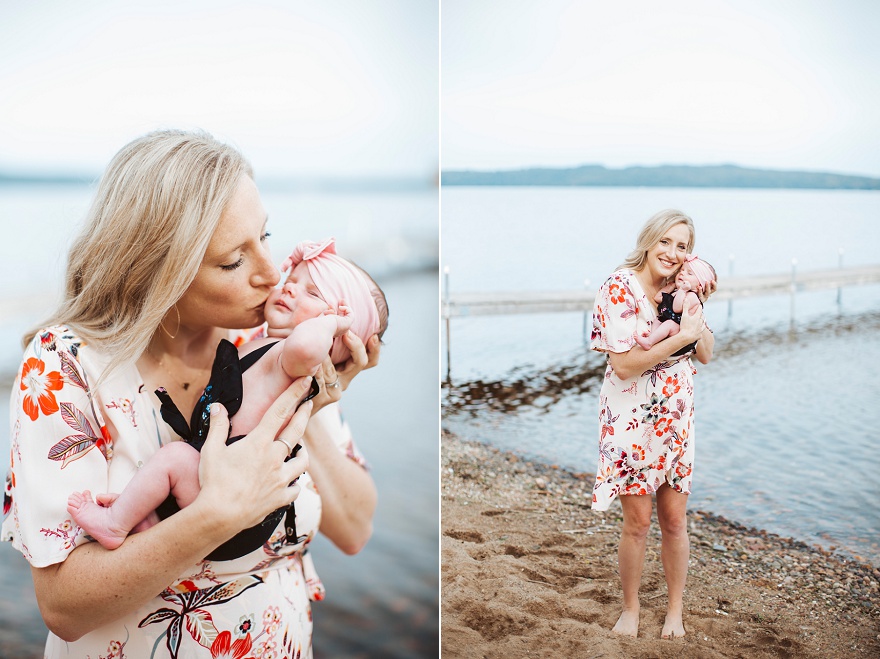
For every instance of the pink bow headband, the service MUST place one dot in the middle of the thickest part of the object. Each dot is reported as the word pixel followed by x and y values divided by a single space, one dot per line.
pixel 702 270
pixel 337 279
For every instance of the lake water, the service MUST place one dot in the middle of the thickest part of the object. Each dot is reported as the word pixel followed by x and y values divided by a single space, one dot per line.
pixel 786 438
pixel 384 601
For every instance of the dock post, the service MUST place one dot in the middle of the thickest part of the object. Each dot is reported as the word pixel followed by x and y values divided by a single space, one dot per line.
pixel 793 273
pixel 586 312
pixel 446 313
pixel 730 301
pixel 839 288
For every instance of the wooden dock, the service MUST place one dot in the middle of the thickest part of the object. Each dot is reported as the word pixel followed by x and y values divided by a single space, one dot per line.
pixel 732 288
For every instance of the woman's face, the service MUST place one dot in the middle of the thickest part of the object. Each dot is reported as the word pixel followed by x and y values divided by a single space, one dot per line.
pixel 237 273
pixel 665 258
pixel 297 300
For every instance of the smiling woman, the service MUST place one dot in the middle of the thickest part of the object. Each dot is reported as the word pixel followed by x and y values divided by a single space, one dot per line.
pixel 646 411
pixel 179 223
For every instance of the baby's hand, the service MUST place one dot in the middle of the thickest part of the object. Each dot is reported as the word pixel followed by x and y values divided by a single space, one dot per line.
pixel 344 318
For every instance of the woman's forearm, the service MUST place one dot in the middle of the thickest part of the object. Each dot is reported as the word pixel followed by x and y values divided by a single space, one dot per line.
pixel 705 347
pixel 348 494
pixel 636 360
pixel 95 586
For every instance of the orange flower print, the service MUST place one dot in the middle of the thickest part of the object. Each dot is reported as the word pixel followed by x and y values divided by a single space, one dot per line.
pixel 638 453
pixel 38 387
pixel 224 646
pixel 663 426
pixel 616 294
pixel 671 387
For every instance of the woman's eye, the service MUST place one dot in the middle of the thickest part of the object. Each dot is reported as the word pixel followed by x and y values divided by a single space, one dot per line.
pixel 264 236
pixel 233 266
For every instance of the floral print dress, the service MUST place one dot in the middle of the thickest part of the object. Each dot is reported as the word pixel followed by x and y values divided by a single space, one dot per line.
pixel 646 423
pixel 69 436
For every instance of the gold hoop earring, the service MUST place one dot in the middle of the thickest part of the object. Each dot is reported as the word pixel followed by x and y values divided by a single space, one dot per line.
pixel 170 335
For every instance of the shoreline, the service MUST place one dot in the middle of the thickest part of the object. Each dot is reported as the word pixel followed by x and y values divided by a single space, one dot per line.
pixel 528 569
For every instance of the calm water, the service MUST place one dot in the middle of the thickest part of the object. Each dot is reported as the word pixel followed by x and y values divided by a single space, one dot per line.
pixel 384 601
pixel 785 419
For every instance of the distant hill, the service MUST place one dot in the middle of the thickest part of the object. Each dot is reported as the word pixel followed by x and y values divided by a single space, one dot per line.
pixel 47 179
pixel 663 176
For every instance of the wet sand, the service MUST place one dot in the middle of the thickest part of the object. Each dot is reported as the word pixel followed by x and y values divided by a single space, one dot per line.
pixel 527 569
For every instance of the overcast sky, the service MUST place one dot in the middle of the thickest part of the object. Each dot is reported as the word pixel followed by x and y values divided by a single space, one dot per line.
pixel 786 84
pixel 305 87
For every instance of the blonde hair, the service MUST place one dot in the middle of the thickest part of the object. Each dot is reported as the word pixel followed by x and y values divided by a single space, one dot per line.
pixel 144 238
pixel 652 232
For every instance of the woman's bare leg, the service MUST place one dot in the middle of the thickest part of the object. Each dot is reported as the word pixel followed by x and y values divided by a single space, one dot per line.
pixel 674 552
pixel 631 558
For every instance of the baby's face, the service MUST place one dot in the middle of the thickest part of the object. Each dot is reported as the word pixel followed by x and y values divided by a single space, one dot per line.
pixel 686 279
pixel 297 300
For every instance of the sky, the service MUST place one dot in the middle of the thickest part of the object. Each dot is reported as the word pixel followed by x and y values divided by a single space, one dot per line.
pixel 336 88
pixel 777 84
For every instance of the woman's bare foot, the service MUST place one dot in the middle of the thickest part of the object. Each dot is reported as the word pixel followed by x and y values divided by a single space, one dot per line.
pixel 627 623
pixel 95 520
pixel 673 626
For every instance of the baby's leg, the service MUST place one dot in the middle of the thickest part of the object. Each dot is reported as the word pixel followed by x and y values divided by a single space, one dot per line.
pixel 174 469
pixel 664 330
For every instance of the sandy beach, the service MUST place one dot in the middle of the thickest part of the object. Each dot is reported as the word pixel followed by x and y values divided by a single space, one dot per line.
pixel 529 570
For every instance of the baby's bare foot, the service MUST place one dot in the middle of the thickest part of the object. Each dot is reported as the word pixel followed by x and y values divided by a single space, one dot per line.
pixel 672 627
pixel 628 623
pixel 95 520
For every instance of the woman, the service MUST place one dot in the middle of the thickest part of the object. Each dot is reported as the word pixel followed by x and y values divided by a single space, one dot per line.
pixel 173 252
pixel 646 412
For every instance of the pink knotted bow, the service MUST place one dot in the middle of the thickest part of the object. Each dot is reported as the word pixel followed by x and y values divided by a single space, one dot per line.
pixel 702 270
pixel 337 279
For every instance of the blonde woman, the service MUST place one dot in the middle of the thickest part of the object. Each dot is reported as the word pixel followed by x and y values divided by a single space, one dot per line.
pixel 173 258
pixel 646 411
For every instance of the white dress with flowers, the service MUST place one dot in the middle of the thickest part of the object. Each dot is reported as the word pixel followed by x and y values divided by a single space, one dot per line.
pixel 646 423
pixel 65 441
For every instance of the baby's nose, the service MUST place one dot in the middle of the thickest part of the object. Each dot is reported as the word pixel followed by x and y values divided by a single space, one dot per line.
pixel 288 288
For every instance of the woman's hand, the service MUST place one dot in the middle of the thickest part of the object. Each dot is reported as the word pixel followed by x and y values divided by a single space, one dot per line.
pixel 241 484
pixel 692 324
pixel 706 291
pixel 249 479
pixel 362 357
pixel 333 381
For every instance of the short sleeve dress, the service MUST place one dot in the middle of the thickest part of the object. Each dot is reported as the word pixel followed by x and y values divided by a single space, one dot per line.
pixel 69 436
pixel 646 423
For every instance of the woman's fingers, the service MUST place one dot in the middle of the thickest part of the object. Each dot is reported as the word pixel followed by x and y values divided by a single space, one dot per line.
pixel 707 290
pixel 692 323
pixel 292 433
pixel 327 394
pixel 280 412
pixel 296 467
pixel 218 431
pixel 362 357
pixel 373 348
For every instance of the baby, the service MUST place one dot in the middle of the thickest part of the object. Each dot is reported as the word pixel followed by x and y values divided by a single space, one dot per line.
pixel 322 298
pixel 678 298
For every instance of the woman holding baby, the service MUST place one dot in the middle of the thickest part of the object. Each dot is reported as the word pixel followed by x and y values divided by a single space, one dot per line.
pixel 172 259
pixel 646 409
